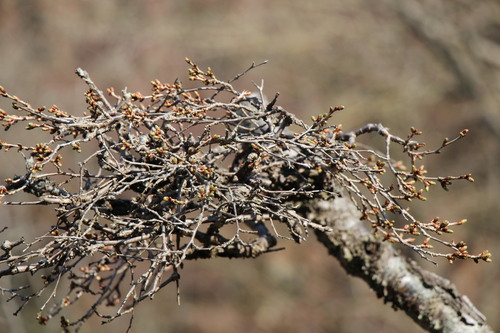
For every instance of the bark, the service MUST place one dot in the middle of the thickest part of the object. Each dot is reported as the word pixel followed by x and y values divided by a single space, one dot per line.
pixel 432 301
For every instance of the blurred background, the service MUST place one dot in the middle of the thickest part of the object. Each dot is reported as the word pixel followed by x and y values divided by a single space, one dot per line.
pixel 432 64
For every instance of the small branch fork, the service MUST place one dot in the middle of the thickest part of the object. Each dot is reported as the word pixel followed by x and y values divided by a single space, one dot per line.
pixel 176 170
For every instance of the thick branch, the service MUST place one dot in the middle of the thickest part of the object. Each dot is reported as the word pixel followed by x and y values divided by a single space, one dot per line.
pixel 432 301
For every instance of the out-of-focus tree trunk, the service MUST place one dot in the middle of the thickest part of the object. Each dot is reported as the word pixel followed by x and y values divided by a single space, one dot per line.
pixel 462 47
pixel 432 301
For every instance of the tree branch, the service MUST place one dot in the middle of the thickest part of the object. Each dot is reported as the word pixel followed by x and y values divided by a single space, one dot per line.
pixel 431 301
pixel 178 176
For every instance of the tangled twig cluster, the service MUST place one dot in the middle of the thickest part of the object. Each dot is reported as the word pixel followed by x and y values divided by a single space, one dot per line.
pixel 189 173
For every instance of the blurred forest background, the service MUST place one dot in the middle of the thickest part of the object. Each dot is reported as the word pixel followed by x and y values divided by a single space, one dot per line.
pixel 432 64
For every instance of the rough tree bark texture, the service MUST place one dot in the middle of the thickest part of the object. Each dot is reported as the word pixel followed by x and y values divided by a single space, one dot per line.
pixel 432 301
